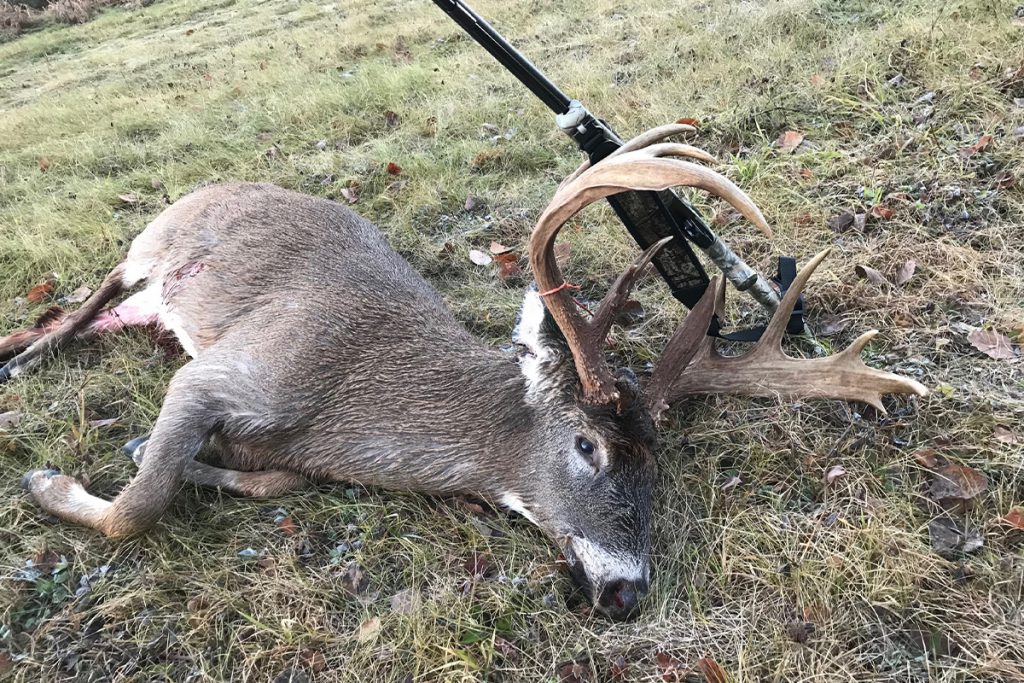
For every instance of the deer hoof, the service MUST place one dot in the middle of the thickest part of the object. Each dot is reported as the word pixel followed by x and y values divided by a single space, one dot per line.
pixel 136 449
pixel 32 475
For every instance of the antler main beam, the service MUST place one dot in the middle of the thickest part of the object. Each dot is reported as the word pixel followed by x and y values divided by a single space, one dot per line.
pixel 766 370
pixel 653 167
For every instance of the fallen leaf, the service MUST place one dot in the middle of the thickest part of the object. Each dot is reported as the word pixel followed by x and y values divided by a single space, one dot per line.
pixel 834 473
pixel 190 31
pixel 405 601
pixel 905 272
pixel 105 422
pixel 315 660
pixel 508 269
pixel 268 565
pixel 993 344
pixel 79 295
pixel 882 211
pixel 10 419
pixel 369 629
pixel 870 274
pixel 575 672
pixel 1005 180
pixel 562 250
pixel 497 248
pixel 1014 518
pixel 928 457
pixel 859 221
pixel 477 565
pixel 391 119
pixel 43 290
pixel 631 313
pixel 669 666
pixel 470 203
pixel 1004 434
pixel 800 631
pixel 841 222
pixel 950 541
pixel 789 141
pixel 957 483
pixel 480 258
pixel 44 164
pixel 128 199
pixel 619 668
pixel 711 670
pixel 978 146
pixel 687 121
pixel 45 560
pixel 733 482
pixel 354 581
pixel 832 325
pixel 287 526
pixel 393 168
pixel 350 193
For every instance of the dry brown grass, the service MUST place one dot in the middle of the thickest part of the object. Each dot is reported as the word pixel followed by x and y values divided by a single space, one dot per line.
pixel 158 100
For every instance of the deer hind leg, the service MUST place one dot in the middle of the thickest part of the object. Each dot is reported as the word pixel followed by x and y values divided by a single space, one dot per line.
pixel 259 484
pixel 186 420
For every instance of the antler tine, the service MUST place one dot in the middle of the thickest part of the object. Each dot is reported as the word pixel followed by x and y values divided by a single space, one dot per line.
pixel 681 348
pixel 650 168
pixel 767 371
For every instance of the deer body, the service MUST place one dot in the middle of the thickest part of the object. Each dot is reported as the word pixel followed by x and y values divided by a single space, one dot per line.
pixel 319 354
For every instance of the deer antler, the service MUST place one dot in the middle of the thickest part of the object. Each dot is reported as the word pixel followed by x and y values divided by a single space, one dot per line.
pixel 649 168
pixel 766 370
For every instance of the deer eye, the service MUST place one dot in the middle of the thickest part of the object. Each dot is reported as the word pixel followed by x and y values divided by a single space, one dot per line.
pixel 586 448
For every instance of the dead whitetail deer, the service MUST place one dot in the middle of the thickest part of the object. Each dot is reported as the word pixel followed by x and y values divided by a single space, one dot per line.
pixel 319 354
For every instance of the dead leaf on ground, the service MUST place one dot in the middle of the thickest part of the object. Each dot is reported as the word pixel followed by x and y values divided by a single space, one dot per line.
pixel 575 672
pixel 789 141
pixel 43 290
pixel 619 669
pixel 1005 180
pixel 631 313
pixel 508 269
pixel 393 168
pixel 288 526
pixel 834 473
pixel 355 582
pixel 470 203
pixel 832 325
pixel 993 344
pixel 497 248
pixel 687 121
pixel 957 483
pixel 669 666
pixel 105 422
pixel 928 457
pixel 478 565
pixel 44 164
pixel 350 193
pixel 799 631
pixel 315 660
pixel 369 629
pixel 905 272
pixel 480 258
pixel 405 601
pixel 10 419
pixel 841 222
pixel 711 670
pixel 870 274
pixel 978 146
pixel 950 541
pixel 130 199
pixel 882 211
pixel 1014 518
pixel 1004 434
pixel 79 295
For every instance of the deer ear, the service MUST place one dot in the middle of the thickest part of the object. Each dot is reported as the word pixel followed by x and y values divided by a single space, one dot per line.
pixel 540 343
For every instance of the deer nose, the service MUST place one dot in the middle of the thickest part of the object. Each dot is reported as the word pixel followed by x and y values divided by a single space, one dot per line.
pixel 619 599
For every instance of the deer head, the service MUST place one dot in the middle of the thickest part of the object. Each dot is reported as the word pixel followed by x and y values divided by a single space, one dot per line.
pixel 601 419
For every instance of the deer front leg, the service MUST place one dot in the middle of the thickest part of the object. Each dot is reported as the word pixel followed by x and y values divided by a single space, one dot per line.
pixel 186 420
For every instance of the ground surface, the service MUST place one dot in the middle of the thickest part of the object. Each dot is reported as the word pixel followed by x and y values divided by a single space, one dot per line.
pixel 99 122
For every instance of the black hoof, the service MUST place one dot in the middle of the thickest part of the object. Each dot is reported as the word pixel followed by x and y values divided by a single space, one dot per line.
pixel 26 481
pixel 136 448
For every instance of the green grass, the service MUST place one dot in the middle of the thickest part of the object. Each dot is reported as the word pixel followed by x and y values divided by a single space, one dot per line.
pixel 158 100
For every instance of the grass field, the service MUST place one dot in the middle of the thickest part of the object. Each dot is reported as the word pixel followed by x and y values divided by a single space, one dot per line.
pixel 777 578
